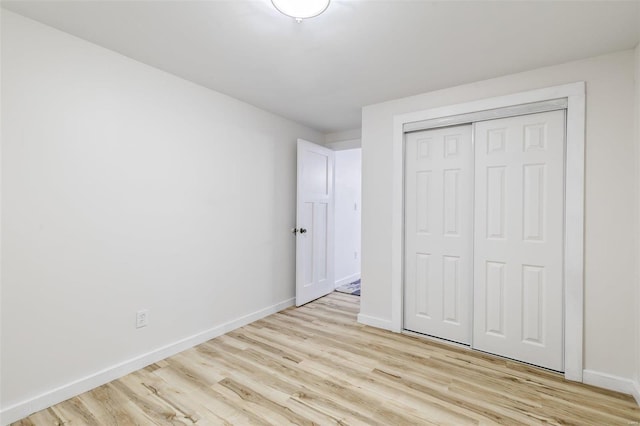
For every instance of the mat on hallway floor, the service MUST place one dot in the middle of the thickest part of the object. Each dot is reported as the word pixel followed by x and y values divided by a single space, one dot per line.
pixel 351 288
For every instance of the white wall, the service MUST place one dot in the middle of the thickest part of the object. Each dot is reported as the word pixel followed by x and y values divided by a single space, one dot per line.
pixel 345 135
pixel 348 139
pixel 637 77
pixel 123 188
pixel 348 167
pixel 610 239
pixel 1 127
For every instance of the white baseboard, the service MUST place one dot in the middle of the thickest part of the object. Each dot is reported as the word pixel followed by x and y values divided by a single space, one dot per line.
pixel 347 280
pixel 22 409
pixel 375 322
pixel 614 383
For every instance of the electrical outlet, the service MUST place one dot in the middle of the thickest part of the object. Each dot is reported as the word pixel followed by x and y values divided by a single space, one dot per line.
pixel 355 255
pixel 142 318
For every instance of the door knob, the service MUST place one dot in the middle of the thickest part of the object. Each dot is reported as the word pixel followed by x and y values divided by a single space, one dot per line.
pixel 301 230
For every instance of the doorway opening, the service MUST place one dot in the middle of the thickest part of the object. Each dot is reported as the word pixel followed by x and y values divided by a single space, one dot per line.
pixel 328 216
pixel 347 192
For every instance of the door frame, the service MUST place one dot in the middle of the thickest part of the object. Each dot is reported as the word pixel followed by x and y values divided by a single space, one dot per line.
pixel 574 94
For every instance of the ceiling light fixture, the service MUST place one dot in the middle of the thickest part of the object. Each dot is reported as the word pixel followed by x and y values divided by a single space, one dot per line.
pixel 301 9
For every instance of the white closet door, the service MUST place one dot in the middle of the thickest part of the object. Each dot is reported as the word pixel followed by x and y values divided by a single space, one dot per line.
pixel 518 244
pixel 439 233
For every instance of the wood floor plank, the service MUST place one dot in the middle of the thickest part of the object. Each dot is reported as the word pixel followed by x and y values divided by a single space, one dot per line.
pixel 315 365
pixel 75 411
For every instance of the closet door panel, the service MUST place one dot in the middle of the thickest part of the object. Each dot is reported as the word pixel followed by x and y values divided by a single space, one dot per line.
pixel 518 238
pixel 439 233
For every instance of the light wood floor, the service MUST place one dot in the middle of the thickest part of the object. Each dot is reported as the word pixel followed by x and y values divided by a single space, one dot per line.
pixel 316 365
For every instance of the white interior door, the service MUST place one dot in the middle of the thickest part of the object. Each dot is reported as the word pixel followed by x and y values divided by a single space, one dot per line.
pixel 518 245
pixel 439 233
pixel 314 217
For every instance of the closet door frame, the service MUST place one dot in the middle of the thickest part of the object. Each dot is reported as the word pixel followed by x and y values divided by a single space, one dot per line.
pixel 570 97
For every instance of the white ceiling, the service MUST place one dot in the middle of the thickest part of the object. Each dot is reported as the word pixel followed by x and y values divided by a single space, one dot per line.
pixel 322 71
